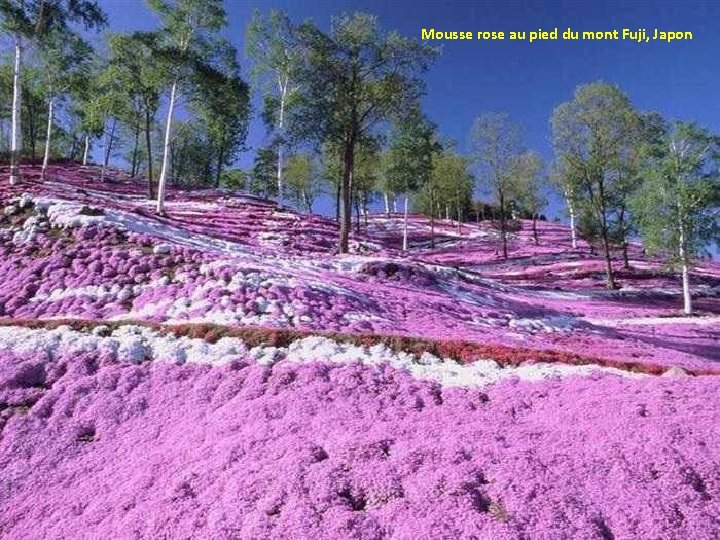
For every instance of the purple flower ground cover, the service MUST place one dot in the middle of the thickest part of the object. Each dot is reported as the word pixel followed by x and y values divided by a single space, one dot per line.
pixel 94 447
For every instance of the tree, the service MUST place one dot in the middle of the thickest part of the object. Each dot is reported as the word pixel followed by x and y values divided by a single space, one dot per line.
pixel 30 22
pixel 222 103
pixel 496 144
pixel 676 210
pixel 527 170
pixel 136 73
pixel 65 64
pixel 561 179
pixel 262 177
pixel 449 185
pixel 366 177
pixel 352 79
pixel 186 42
pixel 589 134
pixel 275 51
pixel 303 180
pixel 409 159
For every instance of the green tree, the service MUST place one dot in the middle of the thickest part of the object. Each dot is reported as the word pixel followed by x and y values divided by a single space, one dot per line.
pixel 527 170
pixel 450 186
pixel 561 178
pixel 137 75
pixel 303 180
pixel 221 101
pixel 65 63
pixel 276 53
pixel 409 159
pixel 496 143
pixel 29 22
pixel 677 212
pixel 262 177
pixel 187 40
pixel 590 133
pixel 353 78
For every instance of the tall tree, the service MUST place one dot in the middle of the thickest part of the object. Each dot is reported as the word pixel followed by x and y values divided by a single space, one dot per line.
pixel 303 180
pixel 410 159
pixel 188 36
pixel 273 46
pixel 136 73
pixel 353 78
pixel 589 134
pixel 527 169
pixel 65 64
pixel 676 210
pixel 29 22
pixel 221 101
pixel 450 186
pixel 496 143
pixel 562 180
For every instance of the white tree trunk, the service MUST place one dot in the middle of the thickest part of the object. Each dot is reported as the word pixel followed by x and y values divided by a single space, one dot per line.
pixel 16 134
pixel 394 204
pixel 281 126
pixel 447 212
pixel 573 228
pixel 387 203
pixel 687 298
pixel 46 157
pixel 405 225
pixel 87 148
pixel 166 152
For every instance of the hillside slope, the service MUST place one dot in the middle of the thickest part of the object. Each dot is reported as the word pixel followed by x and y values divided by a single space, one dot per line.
pixel 220 373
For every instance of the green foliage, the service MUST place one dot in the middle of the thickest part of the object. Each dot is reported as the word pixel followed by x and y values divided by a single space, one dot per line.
pixel 597 138
pixel 409 157
pixel 303 180
pixel 677 210
pixel 262 178
pixel 527 169
pixel 36 19
pixel 351 79
pixel 497 149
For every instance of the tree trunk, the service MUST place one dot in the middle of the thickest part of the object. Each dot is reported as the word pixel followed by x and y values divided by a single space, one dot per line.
pixel 160 209
pixel 16 132
pixel 405 224
pixel 87 149
pixel 608 261
pixel 387 203
pixel 365 210
pixel 459 220
pixel 503 225
pixel 447 212
pixel 337 202
pixel 535 231
pixel 345 190
pixel 357 214
pixel 605 237
pixel 148 144
pixel 394 203
pixel 687 298
pixel 133 172
pixel 571 211
pixel 108 149
pixel 218 173
pixel 626 259
pixel 281 126
pixel 46 156
pixel 432 217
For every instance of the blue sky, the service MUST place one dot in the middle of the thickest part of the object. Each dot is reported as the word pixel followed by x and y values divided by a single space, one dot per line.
pixel 526 80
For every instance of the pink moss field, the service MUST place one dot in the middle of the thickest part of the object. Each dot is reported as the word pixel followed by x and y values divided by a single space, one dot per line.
pixel 219 372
